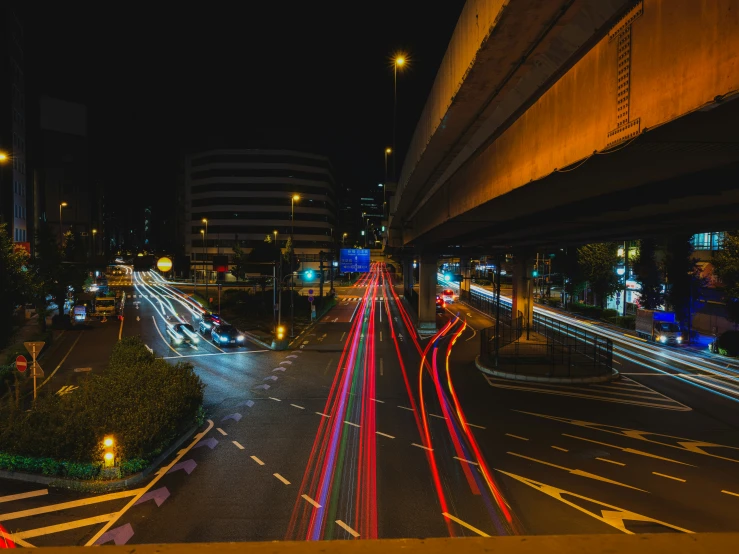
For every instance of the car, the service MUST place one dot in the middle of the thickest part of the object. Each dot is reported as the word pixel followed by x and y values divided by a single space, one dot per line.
pixel 208 321
pixel 440 305
pixel 448 296
pixel 224 335
pixel 182 333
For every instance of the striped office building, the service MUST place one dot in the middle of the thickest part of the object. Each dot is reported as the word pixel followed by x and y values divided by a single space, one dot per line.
pixel 247 194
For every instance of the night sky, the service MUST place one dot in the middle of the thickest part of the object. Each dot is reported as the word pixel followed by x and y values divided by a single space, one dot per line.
pixel 160 79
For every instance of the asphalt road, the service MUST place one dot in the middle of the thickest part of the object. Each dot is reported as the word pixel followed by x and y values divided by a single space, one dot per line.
pixel 349 434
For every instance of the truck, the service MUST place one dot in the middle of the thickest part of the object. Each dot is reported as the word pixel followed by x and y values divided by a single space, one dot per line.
pixel 104 306
pixel 658 326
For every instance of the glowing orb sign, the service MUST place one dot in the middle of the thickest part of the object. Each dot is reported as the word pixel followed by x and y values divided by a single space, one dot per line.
pixel 164 264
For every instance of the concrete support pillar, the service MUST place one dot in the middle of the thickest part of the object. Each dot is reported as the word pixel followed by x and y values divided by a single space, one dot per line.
pixel 427 279
pixel 466 270
pixel 407 276
pixel 522 296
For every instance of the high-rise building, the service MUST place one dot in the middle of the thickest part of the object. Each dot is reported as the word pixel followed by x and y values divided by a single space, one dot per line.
pixel 246 195
pixel 66 201
pixel 15 207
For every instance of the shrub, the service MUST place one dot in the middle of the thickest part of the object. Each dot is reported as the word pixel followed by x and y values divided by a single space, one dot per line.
pixel 144 402
pixel 728 343
pixel 596 312
pixel 609 313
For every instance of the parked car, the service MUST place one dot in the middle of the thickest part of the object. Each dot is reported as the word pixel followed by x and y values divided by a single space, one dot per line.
pixel 224 335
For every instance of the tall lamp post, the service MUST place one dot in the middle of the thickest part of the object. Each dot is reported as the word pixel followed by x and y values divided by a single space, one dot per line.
pixel 343 238
pixel 62 205
pixel 205 257
pixel 398 62
pixel 202 234
pixel 293 199
pixel 94 243
pixel 388 150
pixel 275 277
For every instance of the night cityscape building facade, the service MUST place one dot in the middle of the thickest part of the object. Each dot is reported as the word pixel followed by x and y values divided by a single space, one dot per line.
pixel 14 187
pixel 247 195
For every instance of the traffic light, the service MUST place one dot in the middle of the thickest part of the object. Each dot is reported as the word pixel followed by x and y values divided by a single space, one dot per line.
pixel 535 273
pixel 448 277
pixel 308 275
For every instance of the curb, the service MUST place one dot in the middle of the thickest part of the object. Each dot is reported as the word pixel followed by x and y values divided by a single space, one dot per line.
pixel 536 379
pixel 259 341
pixel 99 486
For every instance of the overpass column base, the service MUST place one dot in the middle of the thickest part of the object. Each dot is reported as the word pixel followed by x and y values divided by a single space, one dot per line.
pixel 407 277
pixel 465 268
pixel 427 280
pixel 522 294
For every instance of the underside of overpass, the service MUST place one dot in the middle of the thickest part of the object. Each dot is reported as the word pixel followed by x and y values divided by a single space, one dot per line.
pixel 626 130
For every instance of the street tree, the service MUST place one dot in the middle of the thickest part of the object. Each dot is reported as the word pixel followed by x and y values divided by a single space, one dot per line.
pixel 726 268
pixel 598 263
pixel 565 263
pixel 16 286
pixel 682 277
pixel 648 275
pixel 240 257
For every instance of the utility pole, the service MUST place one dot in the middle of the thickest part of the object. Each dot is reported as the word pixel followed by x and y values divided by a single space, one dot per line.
pixel 320 284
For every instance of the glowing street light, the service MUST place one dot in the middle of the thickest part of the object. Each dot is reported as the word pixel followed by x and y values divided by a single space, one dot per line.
pixel 294 198
pixel 108 455
pixel 399 61
pixel 4 157
pixel 388 151
pixel 61 206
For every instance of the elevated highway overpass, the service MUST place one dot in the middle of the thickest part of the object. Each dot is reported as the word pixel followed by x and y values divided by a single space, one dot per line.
pixel 572 121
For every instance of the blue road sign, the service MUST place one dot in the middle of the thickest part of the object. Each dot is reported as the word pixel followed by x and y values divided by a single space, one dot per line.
pixel 354 260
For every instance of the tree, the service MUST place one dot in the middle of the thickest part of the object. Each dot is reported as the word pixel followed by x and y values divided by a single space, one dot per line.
pixel 16 286
pixel 262 255
pixel 598 263
pixel 565 263
pixel 682 277
pixel 53 269
pixel 726 268
pixel 239 262
pixel 648 275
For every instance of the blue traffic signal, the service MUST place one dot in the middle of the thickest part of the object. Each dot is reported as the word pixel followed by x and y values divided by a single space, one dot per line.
pixel 448 277
pixel 308 275
pixel 534 273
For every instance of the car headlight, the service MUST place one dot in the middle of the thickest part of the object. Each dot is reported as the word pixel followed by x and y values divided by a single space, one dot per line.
pixel 679 339
pixel 663 339
pixel 178 340
pixel 240 338
pixel 195 340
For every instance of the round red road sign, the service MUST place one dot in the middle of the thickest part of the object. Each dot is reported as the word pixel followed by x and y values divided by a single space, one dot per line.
pixel 21 364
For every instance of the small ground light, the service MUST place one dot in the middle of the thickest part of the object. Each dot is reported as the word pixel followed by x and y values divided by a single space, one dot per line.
pixel 280 333
pixel 108 456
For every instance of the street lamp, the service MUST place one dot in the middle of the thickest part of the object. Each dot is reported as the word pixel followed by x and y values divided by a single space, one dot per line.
pixel 61 205
pixel 205 257
pixel 388 150
pixel 343 237
pixel 4 157
pixel 275 277
pixel 398 62
pixel 94 232
pixel 293 199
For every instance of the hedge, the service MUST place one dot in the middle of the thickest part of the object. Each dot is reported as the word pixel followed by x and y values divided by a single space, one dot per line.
pixel 143 401
pixel 728 343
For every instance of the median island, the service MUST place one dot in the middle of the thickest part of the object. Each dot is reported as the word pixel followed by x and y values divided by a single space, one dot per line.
pixel 114 425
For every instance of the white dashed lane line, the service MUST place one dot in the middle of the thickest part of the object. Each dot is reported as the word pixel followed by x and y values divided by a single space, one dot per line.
pixel 516 437
pixel 296 406
pixel 281 478
pixel 238 445
pixel 310 501
pixel 421 446
pixel 260 462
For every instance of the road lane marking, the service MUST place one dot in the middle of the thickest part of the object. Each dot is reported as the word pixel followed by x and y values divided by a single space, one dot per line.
pixel 296 406
pixel 310 501
pixel 668 477
pixel 610 461
pixel 221 431
pixel 380 336
pixel 376 400
pixel 342 336
pixel 384 435
pixel 63 360
pixel 382 370
pixel 67 505
pixel 406 408
pixel 41 531
pixel 731 493
pixel 238 445
pixel 165 341
pixel 421 446
pixel 465 460
pixel 560 448
pixel 465 524
pixel 23 495
pixel 607 513
pixel 478 426
pixel 322 414
pixel 120 329
pixel 439 416
pixel 281 478
pixel 214 354
pixel 350 423
pixel 516 437
pixel 579 472
pixel 346 528
pixel 275 399
pixel 260 462
pixel 628 450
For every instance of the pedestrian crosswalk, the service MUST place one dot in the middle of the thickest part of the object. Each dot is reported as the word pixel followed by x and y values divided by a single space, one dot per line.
pixel 620 391
pixel 357 298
